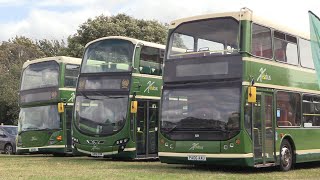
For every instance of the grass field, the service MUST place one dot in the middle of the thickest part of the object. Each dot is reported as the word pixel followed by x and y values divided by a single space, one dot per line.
pixel 49 167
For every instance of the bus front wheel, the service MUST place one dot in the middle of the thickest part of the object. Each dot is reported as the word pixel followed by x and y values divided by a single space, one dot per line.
pixel 286 156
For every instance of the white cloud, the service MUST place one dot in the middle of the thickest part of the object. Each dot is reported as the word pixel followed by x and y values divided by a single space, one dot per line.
pixel 290 13
pixel 49 24
pixel 46 20
pixel 4 3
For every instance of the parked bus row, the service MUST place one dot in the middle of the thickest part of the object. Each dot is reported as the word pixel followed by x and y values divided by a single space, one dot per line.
pixel 116 101
pixel 236 90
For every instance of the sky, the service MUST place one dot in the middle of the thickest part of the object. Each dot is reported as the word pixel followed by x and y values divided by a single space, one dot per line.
pixel 57 19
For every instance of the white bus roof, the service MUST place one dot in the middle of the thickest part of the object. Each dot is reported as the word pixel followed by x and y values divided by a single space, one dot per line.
pixel 246 15
pixel 134 41
pixel 58 59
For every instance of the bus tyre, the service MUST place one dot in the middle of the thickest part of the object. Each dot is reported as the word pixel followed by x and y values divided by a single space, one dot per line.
pixel 8 149
pixel 286 156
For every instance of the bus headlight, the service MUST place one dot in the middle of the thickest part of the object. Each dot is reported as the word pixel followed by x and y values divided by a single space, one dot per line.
pixel 75 140
pixel 52 141
pixel 121 141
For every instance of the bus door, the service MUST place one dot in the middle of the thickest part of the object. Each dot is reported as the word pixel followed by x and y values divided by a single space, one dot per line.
pixel 263 129
pixel 67 129
pixel 147 128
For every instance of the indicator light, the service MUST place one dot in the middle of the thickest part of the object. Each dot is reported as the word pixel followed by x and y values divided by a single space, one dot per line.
pixel 59 138
pixel 238 141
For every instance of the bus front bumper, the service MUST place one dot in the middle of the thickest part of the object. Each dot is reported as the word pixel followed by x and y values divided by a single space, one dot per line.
pixel 104 151
pixel 52 149
pixel 207 159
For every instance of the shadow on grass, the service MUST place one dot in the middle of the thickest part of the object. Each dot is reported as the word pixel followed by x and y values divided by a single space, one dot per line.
pixel 153 164
pixel 210 168
pixel 25 155
pixel 126 160
pixel 229 169
pixel 249 170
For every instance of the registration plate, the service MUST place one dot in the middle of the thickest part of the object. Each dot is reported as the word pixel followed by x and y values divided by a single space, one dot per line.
pixel 197 158
pixel 96 154
pixel 33 149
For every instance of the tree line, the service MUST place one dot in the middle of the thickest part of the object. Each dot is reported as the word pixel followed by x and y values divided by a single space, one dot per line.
pixel 17 50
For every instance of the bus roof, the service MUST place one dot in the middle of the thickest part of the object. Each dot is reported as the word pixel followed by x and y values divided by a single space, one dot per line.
pixel 58 59
pixel 134 41
pixel 246 15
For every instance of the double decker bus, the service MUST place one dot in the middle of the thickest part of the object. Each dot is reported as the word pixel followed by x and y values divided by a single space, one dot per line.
pixel 117 99
pixel 46 98
pixel 243 93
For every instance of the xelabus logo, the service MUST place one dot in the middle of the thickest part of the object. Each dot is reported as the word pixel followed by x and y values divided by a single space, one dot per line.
pixel 195 146
pixel 150 87
pixel 263 75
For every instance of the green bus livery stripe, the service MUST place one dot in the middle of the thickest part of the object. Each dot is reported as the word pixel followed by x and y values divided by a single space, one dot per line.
pixel 278 64
pixel 146 76
pixel 170 154
pixel 146 97
pixel 106 153
pixel 309 151
pixel 303 152
pixel 43 147
pixel 129 149
pixel 311 114
pixel 67 89
pixel 281 87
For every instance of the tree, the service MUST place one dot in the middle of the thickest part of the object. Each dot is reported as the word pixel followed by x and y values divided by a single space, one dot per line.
pixel 13 53
pixel 119 25
pixel 51 47
pixel 178 41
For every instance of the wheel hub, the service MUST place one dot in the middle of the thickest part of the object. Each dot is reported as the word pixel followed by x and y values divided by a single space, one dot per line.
pixel 285 156
pixel 8 150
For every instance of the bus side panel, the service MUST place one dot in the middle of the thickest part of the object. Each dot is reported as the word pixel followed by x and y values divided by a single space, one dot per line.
pixel 305 142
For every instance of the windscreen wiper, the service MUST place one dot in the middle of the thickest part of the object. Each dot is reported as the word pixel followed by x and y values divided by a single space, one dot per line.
pixel 168 130
pixel 30 129
pixel 215 129
pixel 87 97
pixel 109 96
pixel 82 94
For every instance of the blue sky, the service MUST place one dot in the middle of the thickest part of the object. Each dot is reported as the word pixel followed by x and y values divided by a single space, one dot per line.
pixel 57 19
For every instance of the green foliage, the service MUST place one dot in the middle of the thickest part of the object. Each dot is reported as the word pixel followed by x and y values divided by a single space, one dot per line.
pixel 119 25
pixel 178 42
pixel 51 47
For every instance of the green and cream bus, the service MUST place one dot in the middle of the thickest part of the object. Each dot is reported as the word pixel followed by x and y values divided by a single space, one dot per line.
pixel 244 92
pixel 46 98
pixel 117 99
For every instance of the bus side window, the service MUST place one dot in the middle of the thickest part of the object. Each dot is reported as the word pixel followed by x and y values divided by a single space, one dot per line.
pixel 286 48
pixel 150 61
pixel 288 109
pixel 305 54
pixel 311 111
pixel 261 41
pixel 71 75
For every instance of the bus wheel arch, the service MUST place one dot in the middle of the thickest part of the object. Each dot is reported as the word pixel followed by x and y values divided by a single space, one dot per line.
pixel 287 155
